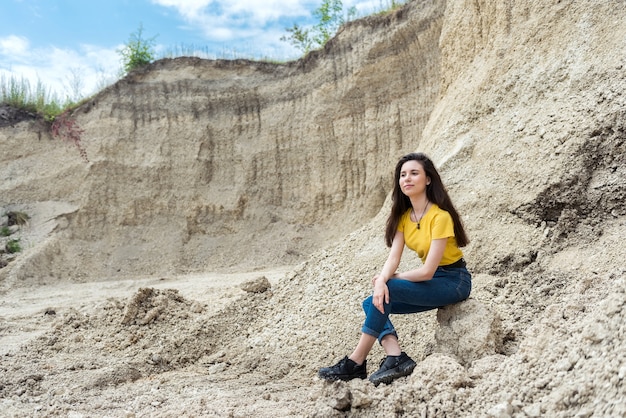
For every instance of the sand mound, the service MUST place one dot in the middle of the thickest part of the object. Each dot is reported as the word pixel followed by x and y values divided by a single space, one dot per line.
pixel 152 332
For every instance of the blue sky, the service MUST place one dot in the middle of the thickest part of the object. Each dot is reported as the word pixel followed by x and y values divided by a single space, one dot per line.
pixel 71 46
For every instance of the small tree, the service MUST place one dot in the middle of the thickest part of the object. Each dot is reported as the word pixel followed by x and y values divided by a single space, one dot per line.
pixel 330 18
pixel 138 51
pixel 300 38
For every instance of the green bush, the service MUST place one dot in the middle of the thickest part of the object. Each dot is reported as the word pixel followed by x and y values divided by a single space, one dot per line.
pixel 330 17
pixel 13 246
pixel 5 231
pixel 137 52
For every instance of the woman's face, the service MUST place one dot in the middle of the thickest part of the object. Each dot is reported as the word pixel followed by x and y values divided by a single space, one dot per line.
pixel 413 179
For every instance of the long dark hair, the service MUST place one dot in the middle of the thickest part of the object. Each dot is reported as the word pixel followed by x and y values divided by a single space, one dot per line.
pixel 435 192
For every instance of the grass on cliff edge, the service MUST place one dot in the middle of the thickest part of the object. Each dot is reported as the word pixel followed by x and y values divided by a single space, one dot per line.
pixel 20 94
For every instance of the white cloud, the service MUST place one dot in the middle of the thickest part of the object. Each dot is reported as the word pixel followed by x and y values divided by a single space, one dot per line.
pixel 189 9
pixel 255 12
pixel 61 71
pixel 13 45
pixel 234 23
pixel 270 10
pixel 89 67
pixel 223 21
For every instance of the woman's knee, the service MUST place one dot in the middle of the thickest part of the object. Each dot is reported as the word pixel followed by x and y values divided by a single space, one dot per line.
pixel 399 289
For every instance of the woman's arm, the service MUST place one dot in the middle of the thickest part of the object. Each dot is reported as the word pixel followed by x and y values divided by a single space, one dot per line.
pixel 425 272
pixel 393 259
pixel 381 292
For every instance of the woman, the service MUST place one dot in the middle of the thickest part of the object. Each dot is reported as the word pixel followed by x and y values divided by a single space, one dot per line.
pixel 424 219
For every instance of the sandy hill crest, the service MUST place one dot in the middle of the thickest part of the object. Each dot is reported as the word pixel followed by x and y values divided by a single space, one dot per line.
pixel 230 167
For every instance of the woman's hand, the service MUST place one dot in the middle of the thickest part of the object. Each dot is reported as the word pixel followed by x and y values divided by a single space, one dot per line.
pixel 376 277
pixel 380 277
pixel 381 293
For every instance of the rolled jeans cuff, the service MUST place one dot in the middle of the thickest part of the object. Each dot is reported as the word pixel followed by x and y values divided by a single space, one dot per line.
pixel 379 336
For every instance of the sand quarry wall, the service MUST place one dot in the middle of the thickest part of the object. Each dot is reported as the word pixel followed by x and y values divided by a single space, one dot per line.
pixel 200 165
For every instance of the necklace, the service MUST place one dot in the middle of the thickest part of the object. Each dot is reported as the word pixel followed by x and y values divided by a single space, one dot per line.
pixel 420 218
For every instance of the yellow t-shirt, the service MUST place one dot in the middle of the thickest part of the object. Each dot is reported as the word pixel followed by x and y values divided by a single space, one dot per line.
pixel 436 223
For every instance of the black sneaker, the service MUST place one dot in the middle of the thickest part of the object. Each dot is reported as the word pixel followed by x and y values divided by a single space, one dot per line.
pixel 393 367
pixel 346 369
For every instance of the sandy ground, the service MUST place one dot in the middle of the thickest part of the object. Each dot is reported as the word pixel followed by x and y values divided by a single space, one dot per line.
pixel 199 345
pixel 22 309
pixel 28 315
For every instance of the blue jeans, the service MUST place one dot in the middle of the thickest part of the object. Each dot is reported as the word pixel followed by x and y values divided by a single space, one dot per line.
pixel 448 286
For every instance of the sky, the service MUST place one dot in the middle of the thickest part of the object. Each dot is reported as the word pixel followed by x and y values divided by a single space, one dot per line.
pixel 72 47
